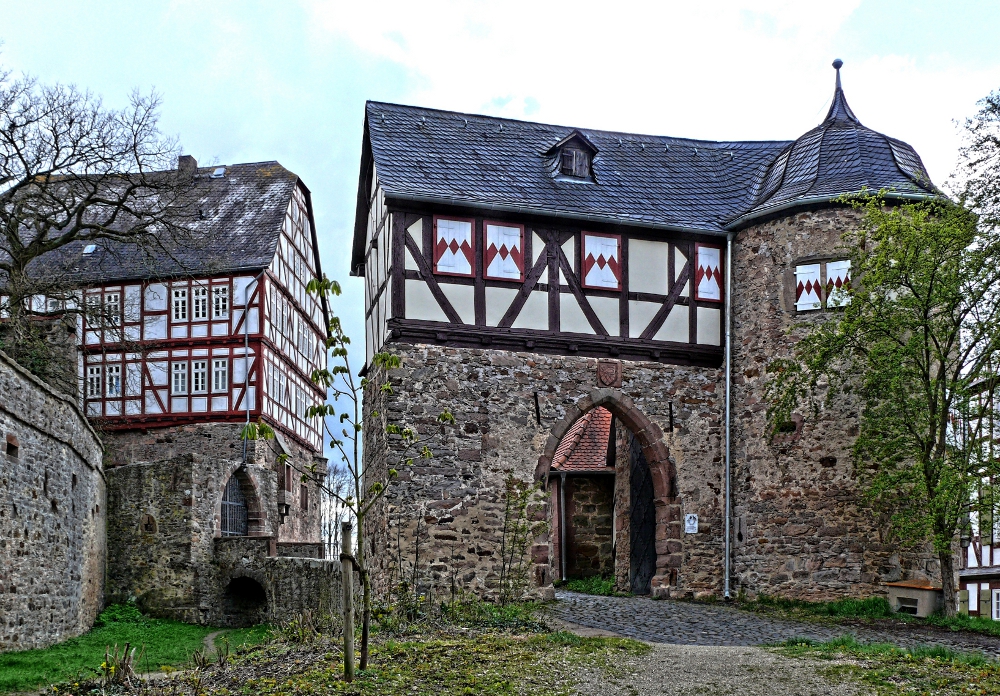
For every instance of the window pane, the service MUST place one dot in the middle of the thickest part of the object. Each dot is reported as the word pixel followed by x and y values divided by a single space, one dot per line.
pixel 220 299
pixel 180 378
pixel 180 305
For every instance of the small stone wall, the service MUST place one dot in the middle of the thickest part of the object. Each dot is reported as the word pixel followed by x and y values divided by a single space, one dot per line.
pixel 589 540
pixel 52 514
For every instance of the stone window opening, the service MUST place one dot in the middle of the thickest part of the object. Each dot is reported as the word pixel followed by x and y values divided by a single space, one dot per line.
pixel 147 524
pixel 821 285
pixel 239 513
pixel 304 498
pixel 13 446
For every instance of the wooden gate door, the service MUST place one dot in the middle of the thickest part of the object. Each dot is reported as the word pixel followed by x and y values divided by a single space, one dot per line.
pixel 642 521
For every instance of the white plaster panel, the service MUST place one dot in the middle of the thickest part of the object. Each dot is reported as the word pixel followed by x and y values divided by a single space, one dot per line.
pixel 93 408
pixel 199 404
pixel 420 303
pixel 241 285
pixel 179 331
pixel 157 373
pixel 497 302
pixel 640 314
pixel 92 337
pixel 647 266
pixel 133 379
pixel 569 249
pixel 606 309
pixel 676 327
pixel 410 264
pixel 156 297
pixel 220 403
pixel 133 407
pixel 178 404
pixel 537 247
pixel 132 332
pixel 535 313
pixel 199 330
pixel 113 408
pixel 679 262
pixel 709 326
pixel 133 299
pixel 462 298
pixel 220 329
pixel 253 320
pixel 571 317
pixel 152 406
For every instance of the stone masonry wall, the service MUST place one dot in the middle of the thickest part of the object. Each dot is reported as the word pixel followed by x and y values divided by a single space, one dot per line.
pixel 453 500
pixel 52 514
pixel 800 528
pixel 589 541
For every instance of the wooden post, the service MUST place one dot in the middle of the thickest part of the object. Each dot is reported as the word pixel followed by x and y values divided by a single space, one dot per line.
pixel 347 578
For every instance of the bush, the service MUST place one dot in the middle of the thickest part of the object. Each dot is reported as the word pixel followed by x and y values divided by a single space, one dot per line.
pixel 594 585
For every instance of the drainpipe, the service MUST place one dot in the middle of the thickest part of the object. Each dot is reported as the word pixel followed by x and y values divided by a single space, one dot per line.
pixel 562 525
pixel 729 388
pixel 246 349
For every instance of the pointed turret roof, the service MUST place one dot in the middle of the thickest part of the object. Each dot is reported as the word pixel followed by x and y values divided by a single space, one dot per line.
pixel 838 156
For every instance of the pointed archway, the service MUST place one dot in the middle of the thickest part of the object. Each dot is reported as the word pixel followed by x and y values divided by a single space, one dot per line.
pixel 661 471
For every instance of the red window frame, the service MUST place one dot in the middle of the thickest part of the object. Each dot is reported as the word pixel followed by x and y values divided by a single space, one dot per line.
pixel 472 239
pixel 485 248
pixel 722 273
pixel 583 258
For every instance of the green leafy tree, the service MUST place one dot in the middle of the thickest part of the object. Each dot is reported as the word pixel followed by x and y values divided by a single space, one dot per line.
pixel 914 348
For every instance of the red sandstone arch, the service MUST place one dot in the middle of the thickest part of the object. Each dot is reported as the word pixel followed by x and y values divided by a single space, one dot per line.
pixel 661 468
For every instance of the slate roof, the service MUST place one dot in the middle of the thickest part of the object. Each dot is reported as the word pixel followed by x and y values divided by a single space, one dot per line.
pixel 584 447
pixel 234 223
pixel 659 182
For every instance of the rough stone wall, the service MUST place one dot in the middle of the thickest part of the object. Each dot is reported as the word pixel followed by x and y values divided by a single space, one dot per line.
pixel 168 570
pixel 623 502
pixel 800 528
pixel 455 497
pixel 292 585
pixel 52 514
pixel 589 540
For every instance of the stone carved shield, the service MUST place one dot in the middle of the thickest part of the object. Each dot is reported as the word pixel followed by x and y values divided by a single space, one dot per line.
pixel 609 373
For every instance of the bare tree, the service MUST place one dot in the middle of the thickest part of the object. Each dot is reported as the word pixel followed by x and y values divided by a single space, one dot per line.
pixel 74 173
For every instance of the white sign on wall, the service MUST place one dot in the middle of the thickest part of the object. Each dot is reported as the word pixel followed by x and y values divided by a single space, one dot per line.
pixel 691 524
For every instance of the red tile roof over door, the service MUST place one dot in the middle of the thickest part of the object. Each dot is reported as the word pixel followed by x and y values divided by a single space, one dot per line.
pixel 584 447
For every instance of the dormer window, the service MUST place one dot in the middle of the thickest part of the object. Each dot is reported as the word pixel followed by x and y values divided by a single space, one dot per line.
pixel 572 157
pixel 574 162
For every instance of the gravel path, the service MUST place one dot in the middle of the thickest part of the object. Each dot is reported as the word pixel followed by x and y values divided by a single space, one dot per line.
pixel 686 623
pixel 699 670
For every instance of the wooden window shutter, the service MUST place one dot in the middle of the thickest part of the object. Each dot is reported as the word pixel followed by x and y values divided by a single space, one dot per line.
pixel 567 166
pixel 580 163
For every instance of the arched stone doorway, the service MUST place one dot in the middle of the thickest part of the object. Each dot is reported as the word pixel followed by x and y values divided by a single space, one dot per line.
pixel 654 470
pixel 244 602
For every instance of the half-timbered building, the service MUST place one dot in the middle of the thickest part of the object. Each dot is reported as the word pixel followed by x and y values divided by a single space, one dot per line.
pixel 181 344
pixel 531 275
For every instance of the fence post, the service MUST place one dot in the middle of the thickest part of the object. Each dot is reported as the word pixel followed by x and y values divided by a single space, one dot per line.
pixel 347 580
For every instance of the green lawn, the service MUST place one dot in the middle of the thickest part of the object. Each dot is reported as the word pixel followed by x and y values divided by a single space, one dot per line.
pixel 167 643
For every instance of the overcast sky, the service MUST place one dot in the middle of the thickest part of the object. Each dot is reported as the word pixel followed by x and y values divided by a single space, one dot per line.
pixel 287 81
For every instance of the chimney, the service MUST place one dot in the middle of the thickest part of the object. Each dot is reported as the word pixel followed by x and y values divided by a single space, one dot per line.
pixel 186 163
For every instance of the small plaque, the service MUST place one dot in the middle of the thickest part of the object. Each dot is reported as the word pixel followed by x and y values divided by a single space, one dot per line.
pixel 690 524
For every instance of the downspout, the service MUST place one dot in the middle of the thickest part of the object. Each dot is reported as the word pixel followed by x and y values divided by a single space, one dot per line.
pixel 729 388
pixel 246 349
pixel 562 526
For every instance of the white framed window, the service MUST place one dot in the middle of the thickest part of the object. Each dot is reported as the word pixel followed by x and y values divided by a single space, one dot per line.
pixel 996 605
pixel 112 308
pixel 114 380
pixel 220 302
pixel 220 375
pixel 95 312
pixel 94 382
pixel 300 403
pixel 199 302
pixel 199 376
pixel 180 304
pixel 179 383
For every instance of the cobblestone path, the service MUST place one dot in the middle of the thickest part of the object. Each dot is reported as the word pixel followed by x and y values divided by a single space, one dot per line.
pixel 686 623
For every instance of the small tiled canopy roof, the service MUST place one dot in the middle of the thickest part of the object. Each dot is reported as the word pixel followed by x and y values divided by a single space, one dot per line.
pixel 584 447
pixel 656 182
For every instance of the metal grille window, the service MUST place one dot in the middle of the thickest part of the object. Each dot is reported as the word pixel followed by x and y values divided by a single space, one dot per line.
pixel 114 380
pixel 220 303
pixel 180 305
pixel 199 303
pixel 180 378
pixel 199 376
pixel 220 375
pixel 234 510
pixel 94 382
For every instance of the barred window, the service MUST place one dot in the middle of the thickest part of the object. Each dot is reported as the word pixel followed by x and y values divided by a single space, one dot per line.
pixel 235 517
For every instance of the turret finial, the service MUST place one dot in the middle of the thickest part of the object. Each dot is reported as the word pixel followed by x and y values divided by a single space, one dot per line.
pixel 837 65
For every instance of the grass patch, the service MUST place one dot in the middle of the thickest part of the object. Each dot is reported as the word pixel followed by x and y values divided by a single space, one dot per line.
pixel 487 663
pixel 239 638
pixel 871 609
pixel 168 643
pixel 893 670
pixel 593 585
